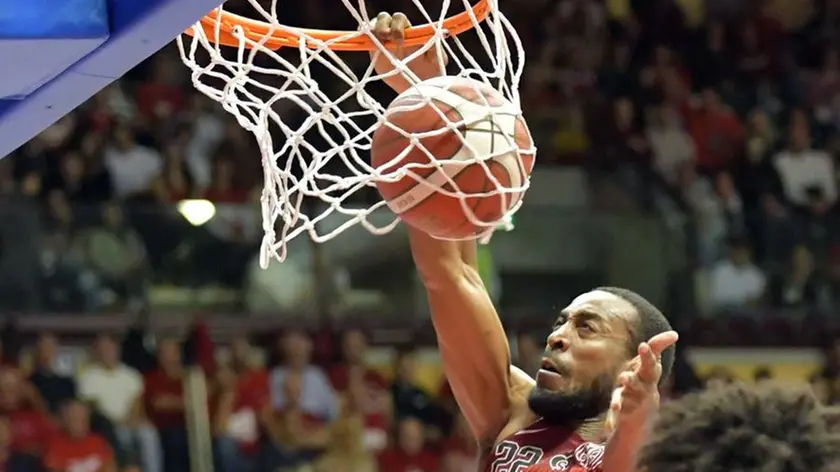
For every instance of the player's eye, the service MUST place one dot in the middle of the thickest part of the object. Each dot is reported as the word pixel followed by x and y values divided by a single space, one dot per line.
pixel 586 327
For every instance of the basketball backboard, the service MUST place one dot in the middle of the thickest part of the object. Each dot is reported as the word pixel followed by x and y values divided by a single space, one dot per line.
pixel 55 54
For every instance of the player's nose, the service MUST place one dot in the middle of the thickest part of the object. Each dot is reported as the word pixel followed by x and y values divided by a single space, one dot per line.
pixel 557 340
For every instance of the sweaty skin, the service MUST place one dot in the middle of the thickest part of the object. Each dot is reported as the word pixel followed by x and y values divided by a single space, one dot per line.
pixel 491 393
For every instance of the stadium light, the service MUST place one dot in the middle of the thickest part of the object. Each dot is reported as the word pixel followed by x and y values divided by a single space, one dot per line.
pixel 197 212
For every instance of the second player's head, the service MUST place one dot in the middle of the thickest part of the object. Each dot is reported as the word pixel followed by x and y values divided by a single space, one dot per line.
pixel 592 341
pixel 766 427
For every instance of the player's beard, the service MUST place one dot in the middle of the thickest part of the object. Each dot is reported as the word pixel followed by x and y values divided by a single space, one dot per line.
pixel 575 405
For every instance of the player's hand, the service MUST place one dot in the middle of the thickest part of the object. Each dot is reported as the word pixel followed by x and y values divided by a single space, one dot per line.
pixel 390 29
pixel 637 395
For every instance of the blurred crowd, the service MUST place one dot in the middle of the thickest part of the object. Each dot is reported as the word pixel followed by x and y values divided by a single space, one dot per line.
pixel 107 179
pixel 124 408
pixel 299 402
pixel 724 111
pixel 722 115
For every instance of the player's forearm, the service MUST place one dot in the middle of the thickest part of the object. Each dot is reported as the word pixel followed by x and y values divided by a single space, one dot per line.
pixel 474 350
pixel 469 253
pixel 623 448
pixel 475 355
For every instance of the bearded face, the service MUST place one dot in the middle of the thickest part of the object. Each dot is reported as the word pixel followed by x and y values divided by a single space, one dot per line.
pixel 585 352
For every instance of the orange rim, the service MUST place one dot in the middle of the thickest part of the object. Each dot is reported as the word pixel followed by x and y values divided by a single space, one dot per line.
pixel 279 36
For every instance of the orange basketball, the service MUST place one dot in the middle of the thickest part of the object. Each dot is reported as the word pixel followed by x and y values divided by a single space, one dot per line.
pixel 472 132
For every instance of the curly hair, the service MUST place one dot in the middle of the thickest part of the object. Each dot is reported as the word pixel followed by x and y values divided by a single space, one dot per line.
pixel 745 428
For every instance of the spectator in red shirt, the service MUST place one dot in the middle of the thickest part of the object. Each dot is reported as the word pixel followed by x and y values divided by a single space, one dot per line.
pixel 223 187
pixel 76 448
pixel 372 403
pixel 354 348
pixel 410 453
pixel 11 461
pixel 365 390
pixel 236 426
pixel 252 385
pixel 31 429
pixel 161 98
pixel 717 133
pixel 163 403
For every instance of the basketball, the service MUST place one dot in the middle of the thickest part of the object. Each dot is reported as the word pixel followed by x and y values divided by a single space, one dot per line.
pixel 470 134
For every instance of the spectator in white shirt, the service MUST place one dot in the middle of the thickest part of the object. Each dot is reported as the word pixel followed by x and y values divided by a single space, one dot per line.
pixel 736 282
pixel 115 390
pixel 802 168
pixel 671 146
pixel 318 398
pixel 132 167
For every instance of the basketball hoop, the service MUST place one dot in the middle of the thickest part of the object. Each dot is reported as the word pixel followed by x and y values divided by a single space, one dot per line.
pixel 313 112
pixel 277 36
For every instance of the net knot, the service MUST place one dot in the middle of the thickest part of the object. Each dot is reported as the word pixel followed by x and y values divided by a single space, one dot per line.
pixel 266 250
pixel 484 238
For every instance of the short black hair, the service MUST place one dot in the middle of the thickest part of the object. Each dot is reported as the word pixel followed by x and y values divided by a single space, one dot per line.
pixel 765 427
pixel 650 322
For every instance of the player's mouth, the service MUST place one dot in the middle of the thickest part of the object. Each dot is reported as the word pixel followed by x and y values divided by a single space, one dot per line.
pixel 549 375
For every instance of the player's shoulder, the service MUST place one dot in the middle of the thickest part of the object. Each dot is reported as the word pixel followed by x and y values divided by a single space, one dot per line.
pixel 521 415
pixel 520 387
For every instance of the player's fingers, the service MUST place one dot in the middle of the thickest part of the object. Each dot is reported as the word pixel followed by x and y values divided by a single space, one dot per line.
pixel 663 341
pixel 633 364
pixel 382 26
pixel 615 402
pixel 634 387
pixel 399 23
pixel 614 411
pixel 627 381
pixel 436 53
pixel 649 364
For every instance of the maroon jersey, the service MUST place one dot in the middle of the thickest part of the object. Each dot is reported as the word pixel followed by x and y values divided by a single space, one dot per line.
pixel 543 447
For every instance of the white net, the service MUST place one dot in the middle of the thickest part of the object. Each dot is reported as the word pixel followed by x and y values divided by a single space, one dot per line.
pixel 313 111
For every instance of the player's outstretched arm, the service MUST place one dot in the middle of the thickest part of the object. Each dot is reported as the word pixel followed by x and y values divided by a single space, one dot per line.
pixel 471 339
